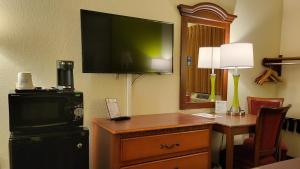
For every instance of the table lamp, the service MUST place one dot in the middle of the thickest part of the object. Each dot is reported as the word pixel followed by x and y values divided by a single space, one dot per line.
pixel 236 56
pixel 209 57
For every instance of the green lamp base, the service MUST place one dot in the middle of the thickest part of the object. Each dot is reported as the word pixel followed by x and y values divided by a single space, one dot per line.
pixel 235 107
pixel 236 112
pixel 212 96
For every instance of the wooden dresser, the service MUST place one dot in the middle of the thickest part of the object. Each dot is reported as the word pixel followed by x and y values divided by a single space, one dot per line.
pixel 162 141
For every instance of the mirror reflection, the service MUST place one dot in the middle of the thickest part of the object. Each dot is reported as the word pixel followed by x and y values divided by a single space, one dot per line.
pixel 198 69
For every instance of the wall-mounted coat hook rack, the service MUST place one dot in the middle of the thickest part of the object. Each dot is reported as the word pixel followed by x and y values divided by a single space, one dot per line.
pixel 276 63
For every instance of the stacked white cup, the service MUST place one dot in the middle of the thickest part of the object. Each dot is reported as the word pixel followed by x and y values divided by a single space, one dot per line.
pixel 24 81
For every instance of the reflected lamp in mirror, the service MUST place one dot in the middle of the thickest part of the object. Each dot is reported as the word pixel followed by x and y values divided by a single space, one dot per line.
pixel 236 56
pixel 161 65
pixel 209 57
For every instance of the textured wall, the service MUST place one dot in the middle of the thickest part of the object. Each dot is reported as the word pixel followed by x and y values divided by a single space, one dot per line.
pixel 35 33
pixel 289 89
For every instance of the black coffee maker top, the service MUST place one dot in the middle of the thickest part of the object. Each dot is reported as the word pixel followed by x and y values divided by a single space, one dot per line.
pixel 64 64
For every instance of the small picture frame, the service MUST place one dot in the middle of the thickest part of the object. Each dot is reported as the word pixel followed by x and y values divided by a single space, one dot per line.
pixel 113 107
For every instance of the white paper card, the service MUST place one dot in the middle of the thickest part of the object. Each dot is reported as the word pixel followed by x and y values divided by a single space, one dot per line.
pixel 221 107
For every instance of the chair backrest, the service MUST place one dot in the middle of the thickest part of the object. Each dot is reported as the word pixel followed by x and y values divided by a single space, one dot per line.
pixel 267 132
pixel 255 103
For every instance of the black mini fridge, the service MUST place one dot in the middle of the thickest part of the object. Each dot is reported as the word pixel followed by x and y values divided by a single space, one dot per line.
pixel 52 150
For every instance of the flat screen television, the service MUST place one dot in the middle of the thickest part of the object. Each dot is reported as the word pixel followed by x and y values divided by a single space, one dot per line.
pixel 121 44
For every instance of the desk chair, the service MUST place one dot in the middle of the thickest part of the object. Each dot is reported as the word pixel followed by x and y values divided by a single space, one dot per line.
pixel 264 149
pixel 254 105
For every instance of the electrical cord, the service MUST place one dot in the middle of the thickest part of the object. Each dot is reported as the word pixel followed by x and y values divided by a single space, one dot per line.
pixel 139 75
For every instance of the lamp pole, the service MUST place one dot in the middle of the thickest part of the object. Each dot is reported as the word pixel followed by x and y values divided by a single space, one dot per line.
pixel 212 96
pixel 235 102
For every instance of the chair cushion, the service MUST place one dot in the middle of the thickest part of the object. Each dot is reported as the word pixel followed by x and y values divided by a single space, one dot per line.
pixel 249 141
pixel 283 146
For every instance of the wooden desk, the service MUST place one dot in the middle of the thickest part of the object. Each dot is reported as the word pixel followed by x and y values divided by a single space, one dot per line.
pixel 121 144
pixel 288 164
pixel 152 142
pixel 233 125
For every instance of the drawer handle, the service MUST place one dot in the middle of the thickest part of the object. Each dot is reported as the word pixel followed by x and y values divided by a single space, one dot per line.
pixel 79 145
pixel 169 146
pixel 176 168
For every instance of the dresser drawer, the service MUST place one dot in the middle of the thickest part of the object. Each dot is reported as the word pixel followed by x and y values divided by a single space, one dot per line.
pixel 149 146
pixel 195 161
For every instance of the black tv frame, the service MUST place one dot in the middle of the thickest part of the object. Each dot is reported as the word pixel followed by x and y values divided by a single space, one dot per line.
pixel 83 47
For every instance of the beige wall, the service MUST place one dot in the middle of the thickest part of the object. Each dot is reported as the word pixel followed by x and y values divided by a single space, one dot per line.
pixel 289 89
pixel 160 94
pixel 35 33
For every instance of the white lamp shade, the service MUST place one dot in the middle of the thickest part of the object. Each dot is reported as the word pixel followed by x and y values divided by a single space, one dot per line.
pixel 209 57
pixel 236 55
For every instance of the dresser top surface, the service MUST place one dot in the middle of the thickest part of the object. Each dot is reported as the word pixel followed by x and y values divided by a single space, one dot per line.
pixel 151 122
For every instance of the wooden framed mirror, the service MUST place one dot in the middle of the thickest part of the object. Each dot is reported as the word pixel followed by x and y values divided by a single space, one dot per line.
pixel 202 25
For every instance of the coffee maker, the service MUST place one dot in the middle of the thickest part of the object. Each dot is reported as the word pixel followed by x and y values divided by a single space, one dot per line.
pixel 65 80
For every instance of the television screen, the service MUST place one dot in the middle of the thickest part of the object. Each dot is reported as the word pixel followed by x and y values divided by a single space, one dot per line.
pixel 120 44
